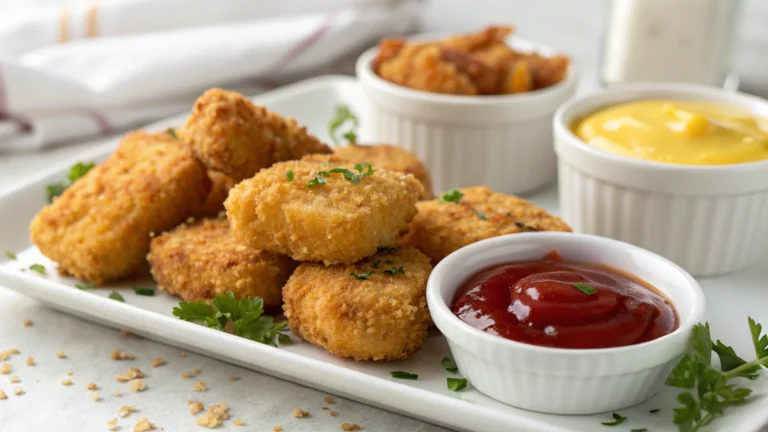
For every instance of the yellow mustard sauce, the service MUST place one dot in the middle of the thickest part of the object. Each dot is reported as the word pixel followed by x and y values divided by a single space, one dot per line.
pixel 680 132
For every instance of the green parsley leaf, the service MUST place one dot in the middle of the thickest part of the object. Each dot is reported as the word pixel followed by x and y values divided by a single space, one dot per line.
pixel 245 317
pixel 38 268
pixel 654 411
pixel 342 116
pixel 364 168
pixel 76 172
pixel 404 375
pixel 144 291
pixel 289 175
pixel 449 365
pixel 585 288
pixel 376 264
pixel 452 196
pixel 54 190
pixel 114 295
pixel 481 215
pixel 457 384
pixel 702 342
pixel 10 255
pixel 172 133
pixel 386 249
pixel 362 276
pixel 617 420
pixel 85 286
pixel 389 262
pixel 759 340
pixel 319 179
pixel 729 360
pixel 394 271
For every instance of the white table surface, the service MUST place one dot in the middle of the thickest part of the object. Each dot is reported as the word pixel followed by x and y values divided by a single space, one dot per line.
pixel 259 400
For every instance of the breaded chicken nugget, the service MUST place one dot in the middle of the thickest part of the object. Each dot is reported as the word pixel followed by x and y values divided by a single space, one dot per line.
pixel 322 211
pixel 98 230
pixel 385 156
pixel 468 215
pixel 232 135
pixel 202 260
pixel 214 202
pixel 371 310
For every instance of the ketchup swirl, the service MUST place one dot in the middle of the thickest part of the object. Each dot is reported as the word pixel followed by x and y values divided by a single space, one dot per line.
pixel 539 303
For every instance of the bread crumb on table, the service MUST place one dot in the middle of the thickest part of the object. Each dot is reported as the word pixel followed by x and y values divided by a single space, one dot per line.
pixel 237 422
pixel 6 368
pixel 27 323
pixel 31 361
pixel 95 396
pixel 143 425
pixel 300 413
pixel 182 354
pixel 137 385
pixel 277 429
pixel 116 393
pixel 158 362
pixel 130 374
pixel 3 395
pixel 60 354
pixel 234 378
pixel 70 373
pixel 112 424
pixel 5 355
pixel 196 371
pixel 121 355
pixel 125 410
pixel 195 407
pixel 199 386
pixel 215 416
pixel 14 379
pixel 329 400
pixel 18 390
pixel 350 427
pixel 92 386
pixel 332 413
pixel 66 382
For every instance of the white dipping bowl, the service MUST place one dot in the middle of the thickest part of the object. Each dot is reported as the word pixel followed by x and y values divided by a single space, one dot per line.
pixel 558 380
pixel 503 141
pixel 709 219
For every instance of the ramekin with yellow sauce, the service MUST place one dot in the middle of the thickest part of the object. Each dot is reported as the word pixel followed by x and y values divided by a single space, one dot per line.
pixel 681 170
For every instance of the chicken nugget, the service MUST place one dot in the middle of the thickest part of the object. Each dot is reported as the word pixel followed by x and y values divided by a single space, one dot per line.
pixel 464 216
pixel 322 211
pixel 371 310
pixel 201 260
pixel 214 201
pixel 99 229
pixel 232 135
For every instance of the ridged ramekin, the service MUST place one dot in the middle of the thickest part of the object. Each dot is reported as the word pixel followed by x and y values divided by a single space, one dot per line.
pixel 555 380
pixel 504 142
pixel 708 219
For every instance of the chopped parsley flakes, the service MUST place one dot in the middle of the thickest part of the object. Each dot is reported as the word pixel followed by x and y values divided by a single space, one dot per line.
pixel 38 268
pixel 452 196
pixel 362 276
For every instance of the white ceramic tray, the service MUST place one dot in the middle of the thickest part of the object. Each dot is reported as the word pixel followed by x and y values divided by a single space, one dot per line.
pixel 731 299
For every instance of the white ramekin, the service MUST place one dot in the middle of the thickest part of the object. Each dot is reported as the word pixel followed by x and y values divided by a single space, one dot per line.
pixel 708 219
pixel 555 380
pixel 504 142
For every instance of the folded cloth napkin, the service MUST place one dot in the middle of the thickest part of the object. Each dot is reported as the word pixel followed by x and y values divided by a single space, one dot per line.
pixel 70 71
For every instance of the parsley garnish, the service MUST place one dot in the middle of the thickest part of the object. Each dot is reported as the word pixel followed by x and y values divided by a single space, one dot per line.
pixel 246 317
pixel 114 295
pixel 342 116
pixel 404 375
pixel 77 171
pixel 617 420
pixel 376 264
pixel 457 384
pixel 481 215
pixel 85 286
pixel 389 262
pixel 387 249
pixel 319 179
pixel 394 271
pixel 364 170
pixel 639 430
pixel 38 268
pixel 654 411
pixel 585 288
pixel 144 291
pixel 172 133
pixel 708 391
pixel 289 175
pixel 362 276
pixel 10 255
pixel 452 196
pixel 449 365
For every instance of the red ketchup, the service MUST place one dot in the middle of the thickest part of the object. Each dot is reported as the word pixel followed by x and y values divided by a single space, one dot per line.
pixel 555 304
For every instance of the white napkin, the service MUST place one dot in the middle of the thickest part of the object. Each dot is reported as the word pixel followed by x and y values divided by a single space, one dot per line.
pixel 90 68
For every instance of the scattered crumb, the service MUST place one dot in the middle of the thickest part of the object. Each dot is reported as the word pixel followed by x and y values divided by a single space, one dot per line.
pixel 92 386
pixel 130 374
pixel 137 385
pixel 121 355
pixel 27 323
pixel 350 427
pixel 277 429
pixel 215 416
pixel 112 424
pixel 300 413
pixel 182 354
pixel 186 375
pixel 18 390
pixel 196 371
pixel 329 400
pixel 60 354
pixel 3 395
pixel 234 378
pixel 95 396
pixel 332 413
pixel 14 379
pixel 66 382
pixel 157 362
pixel 190 401
pixel 125 410
pixel 116 393
pixel 325 408
pixel 195 407
pixel 5 355
pixel 5 368
pixel 199 386
pixel 126 334
pixel 237 422
pixel 143 425
pixel 31 361
pixel 70 373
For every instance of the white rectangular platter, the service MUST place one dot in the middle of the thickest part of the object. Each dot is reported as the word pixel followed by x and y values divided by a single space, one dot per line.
pixel 731 299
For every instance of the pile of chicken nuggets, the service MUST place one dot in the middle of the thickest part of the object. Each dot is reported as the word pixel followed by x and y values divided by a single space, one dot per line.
pixel 244 200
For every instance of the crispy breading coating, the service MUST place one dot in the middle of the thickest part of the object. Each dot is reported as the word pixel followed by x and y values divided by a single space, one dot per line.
pixel 334 221
pixel 370 316
pixel 232 135
pixel 99 229
pixel 214 201
pixel 201 260
pixel 421 67
pixel 440 228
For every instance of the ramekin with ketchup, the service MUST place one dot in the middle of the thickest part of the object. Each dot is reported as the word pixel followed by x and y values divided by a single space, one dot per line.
pixel 564 323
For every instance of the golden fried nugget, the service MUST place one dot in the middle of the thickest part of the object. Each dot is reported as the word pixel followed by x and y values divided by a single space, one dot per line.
pixel 214 201
pixel 232 135
pixel 440 228
pixel 421 67
pixel 473 42
pixel 371 310
pixel 307 211
pixel 99 229
pixel 202 260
